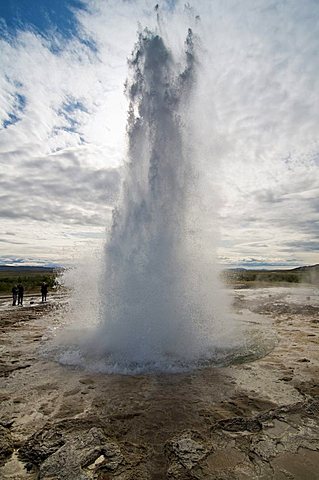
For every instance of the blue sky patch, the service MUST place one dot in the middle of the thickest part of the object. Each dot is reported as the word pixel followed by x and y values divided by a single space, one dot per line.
pixel 42 16
pixel 15 115
pixel 68 112
pixel 72 105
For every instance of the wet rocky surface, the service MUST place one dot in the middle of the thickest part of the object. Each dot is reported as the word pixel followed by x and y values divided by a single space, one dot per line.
pixel 256 420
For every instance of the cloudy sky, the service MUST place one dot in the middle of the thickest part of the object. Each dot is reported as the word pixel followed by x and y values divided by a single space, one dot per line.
pixel 63 113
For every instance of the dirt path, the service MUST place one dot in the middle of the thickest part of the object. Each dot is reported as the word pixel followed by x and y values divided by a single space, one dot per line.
pixel 256 420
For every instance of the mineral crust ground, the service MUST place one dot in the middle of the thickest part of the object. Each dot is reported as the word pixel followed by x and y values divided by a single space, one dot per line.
pixel 254 420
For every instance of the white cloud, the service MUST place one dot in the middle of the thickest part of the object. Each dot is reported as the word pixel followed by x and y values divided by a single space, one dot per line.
pixel 257 108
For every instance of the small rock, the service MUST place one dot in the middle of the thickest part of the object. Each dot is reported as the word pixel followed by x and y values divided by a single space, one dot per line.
pixel 186 449
pixel 264 447
pixel 7 423
pixel 41 445
pixel 240 424
pixel 312 408
pixel 98 461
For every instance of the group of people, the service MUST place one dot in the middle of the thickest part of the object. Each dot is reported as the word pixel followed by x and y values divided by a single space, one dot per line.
pixel 18 292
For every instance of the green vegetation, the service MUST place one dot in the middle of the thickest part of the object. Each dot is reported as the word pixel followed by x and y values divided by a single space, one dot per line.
pixel 263 276
pixel 308 275
pixel 30 279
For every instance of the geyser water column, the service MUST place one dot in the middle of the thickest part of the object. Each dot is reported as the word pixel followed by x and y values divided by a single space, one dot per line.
pixel 162 304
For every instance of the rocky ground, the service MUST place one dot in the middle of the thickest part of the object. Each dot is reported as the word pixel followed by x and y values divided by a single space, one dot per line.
pixel 256 420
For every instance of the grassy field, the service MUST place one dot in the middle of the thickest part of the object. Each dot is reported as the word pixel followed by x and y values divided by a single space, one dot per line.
pixel 31 279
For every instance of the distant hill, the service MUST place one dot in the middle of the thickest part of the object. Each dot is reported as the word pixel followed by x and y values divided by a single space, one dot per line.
pixel 27 268
pixel 306 274
pixel 306 268
pixel 238 269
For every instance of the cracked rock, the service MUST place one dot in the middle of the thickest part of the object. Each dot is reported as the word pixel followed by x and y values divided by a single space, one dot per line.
pixel 186 449
pixel 41 445
pixel 79 453
pixel 264 447
pixel 71 455
pixel 240 424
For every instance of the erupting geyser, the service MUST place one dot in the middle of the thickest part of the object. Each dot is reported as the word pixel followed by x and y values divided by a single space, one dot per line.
pixel 162 306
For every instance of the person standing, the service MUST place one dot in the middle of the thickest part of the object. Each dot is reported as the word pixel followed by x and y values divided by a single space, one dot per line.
pixel 20 294
pixel 44 291
pixel 14 295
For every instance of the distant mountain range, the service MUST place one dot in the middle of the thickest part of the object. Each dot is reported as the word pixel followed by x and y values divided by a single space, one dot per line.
pixel 307 268
pixel 27 268
pixel 43 269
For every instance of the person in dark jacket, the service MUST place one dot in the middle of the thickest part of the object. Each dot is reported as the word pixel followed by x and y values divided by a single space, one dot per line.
pixel 14 295
pixel 20 294
pixel 44 291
